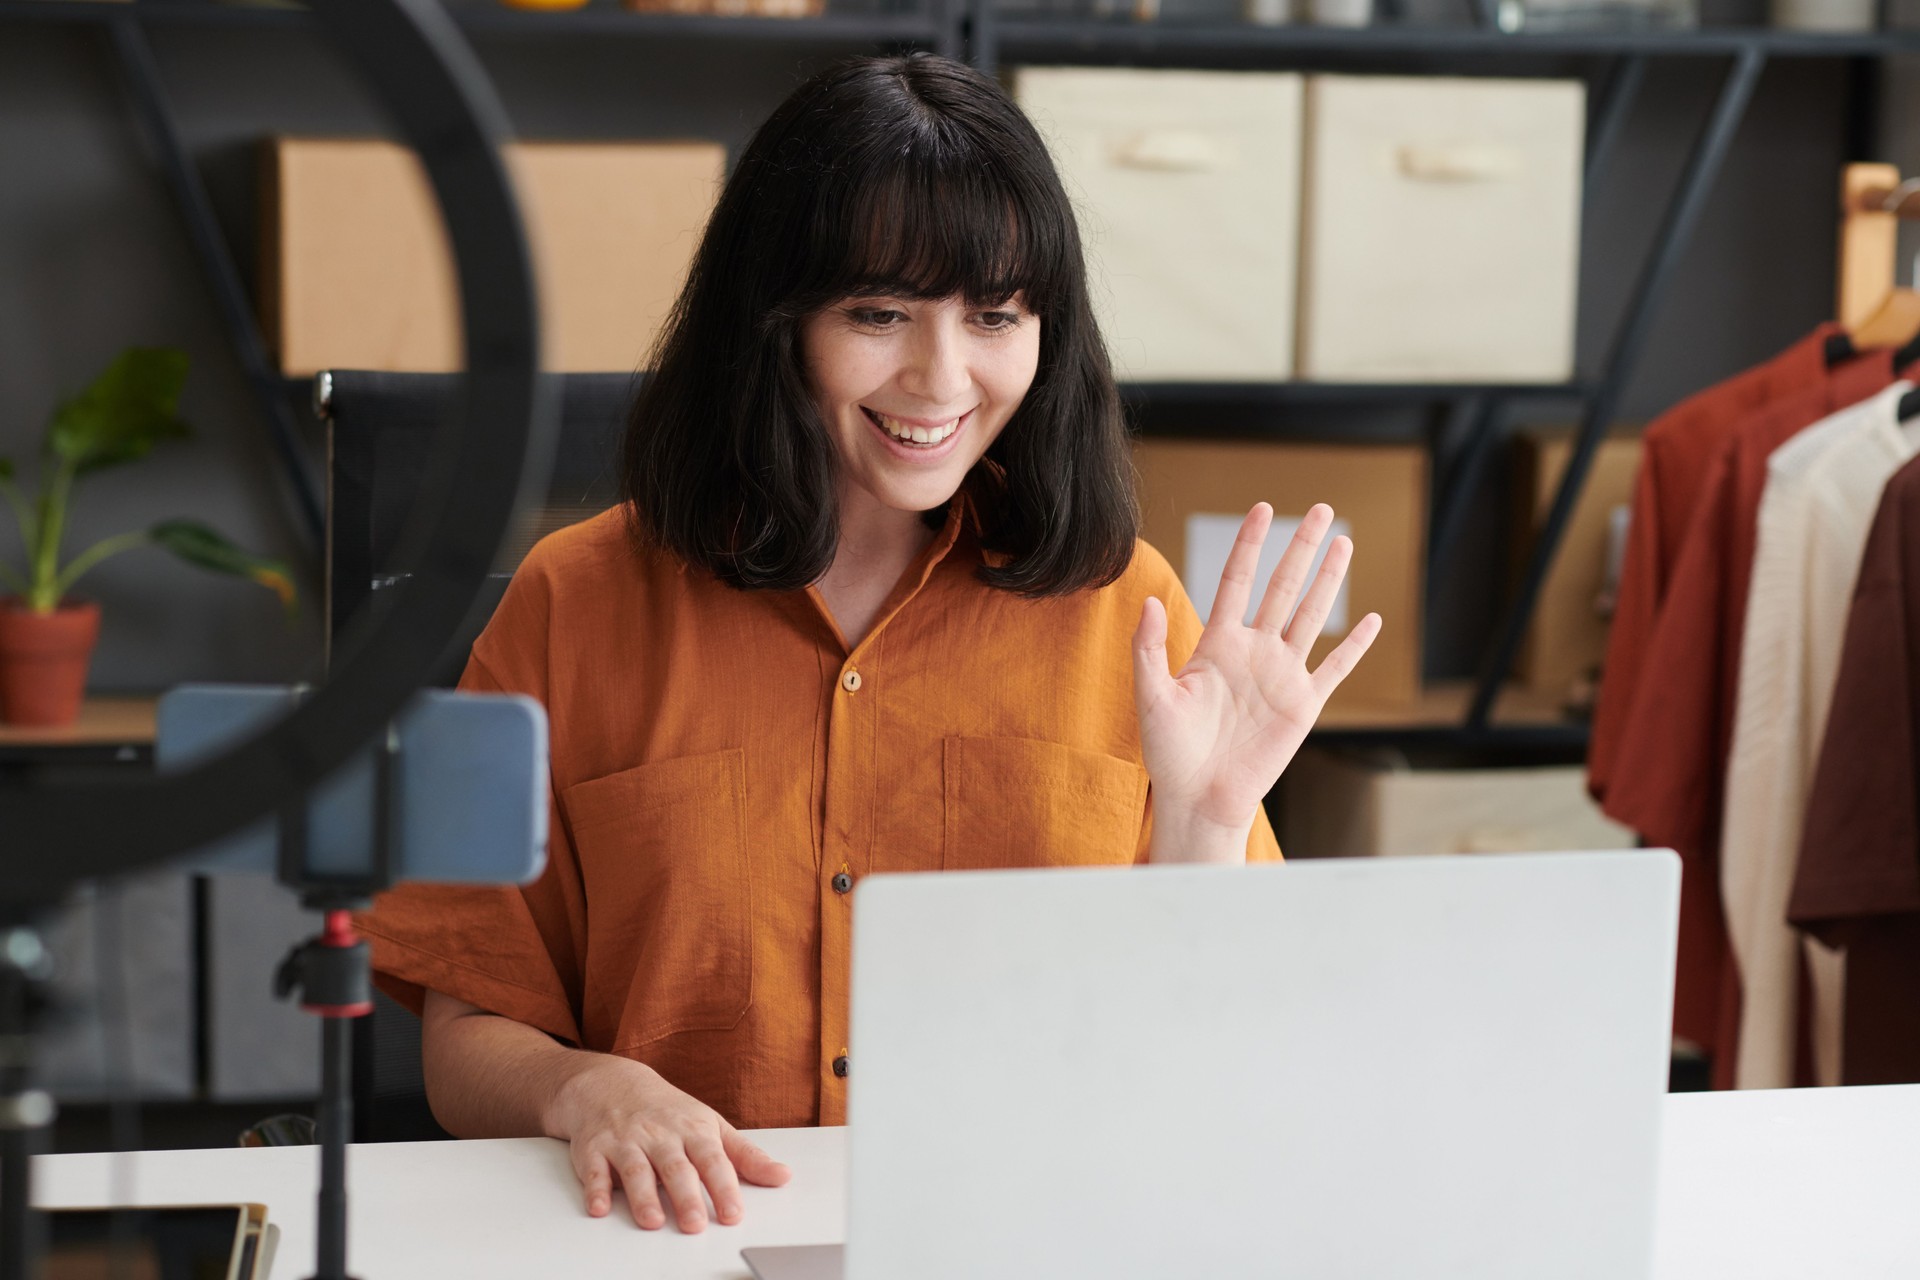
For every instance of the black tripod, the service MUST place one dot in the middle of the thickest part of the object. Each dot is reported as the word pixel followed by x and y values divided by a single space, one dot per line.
pixel 330 976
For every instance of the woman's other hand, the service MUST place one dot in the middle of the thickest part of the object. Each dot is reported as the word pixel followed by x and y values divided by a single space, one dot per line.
pixel 1217 735
pixel 491 1077
pixel 629 1129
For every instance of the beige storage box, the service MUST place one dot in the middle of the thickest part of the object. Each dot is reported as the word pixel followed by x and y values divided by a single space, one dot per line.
pixel 1193 495
pixel 1345 805
pixel 1568 636
pixel 1187 185
pixel 356 272
pixel 1441 236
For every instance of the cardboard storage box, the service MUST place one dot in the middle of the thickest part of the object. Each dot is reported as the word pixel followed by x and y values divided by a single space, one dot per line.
pixel 1193 495
pixel 1343 805
pixel 356 272
pixel 1568 635
pixel 1441 234
pixel 1187 186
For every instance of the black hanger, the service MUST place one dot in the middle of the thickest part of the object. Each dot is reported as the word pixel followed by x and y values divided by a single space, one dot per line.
pixel 1840 349
pixel 1907 355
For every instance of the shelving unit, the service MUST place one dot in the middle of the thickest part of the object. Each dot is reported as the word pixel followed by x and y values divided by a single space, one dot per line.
pixel 1467 419
pixel 110 731
pixel 881 28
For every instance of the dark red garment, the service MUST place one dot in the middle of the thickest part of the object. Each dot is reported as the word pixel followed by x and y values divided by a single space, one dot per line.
pixel 1858 881
pixel 1671 750
pixel 1676 454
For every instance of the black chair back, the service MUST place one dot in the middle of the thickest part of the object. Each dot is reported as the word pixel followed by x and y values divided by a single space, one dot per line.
pixel 382 429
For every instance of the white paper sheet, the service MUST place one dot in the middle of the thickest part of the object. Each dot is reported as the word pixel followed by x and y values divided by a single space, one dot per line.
pixel 1209 539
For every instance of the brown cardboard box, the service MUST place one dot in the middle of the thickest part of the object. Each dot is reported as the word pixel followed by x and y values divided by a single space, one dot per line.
pixel 1379 490
pixel 356 274
pixel 1347 805
pixel 1568 635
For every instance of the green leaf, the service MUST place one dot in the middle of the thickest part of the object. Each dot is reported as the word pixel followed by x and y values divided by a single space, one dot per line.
pixel 201 546
pixel 6 468
pixel 124 413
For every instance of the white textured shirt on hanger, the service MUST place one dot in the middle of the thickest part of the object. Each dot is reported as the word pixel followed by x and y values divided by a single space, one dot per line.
pixel 1823 487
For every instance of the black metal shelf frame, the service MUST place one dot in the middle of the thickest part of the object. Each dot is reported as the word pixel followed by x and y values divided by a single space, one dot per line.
pixel 1474 417
pixel 1473 414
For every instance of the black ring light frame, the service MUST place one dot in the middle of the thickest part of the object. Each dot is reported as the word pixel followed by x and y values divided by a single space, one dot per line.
pixel 495 449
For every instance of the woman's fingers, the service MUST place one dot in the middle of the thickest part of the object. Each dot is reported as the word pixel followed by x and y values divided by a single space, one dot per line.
pixel 643 1198
pixel 1243 561
pixel 682 1183
pixel 596 1181
pixel 753 1164
pixel 1336 666
pixel 716 1170
pixel 1313 610
pixel 1290 575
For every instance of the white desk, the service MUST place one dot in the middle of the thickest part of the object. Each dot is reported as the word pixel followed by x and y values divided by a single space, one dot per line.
pixel 1793 1184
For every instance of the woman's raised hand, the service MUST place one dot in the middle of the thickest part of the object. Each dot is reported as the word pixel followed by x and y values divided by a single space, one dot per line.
pixel 1217 735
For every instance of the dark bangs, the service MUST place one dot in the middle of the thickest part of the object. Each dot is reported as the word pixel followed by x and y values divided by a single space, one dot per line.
pixel 913 177
pixel 939 219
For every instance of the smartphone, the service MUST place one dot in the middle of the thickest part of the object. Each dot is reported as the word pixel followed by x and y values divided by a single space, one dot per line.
pixel 470 786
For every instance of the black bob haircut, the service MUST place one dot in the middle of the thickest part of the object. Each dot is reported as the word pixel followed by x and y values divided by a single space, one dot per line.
pixel 912 177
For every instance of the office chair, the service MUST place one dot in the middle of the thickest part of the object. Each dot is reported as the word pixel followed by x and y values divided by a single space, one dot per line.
pixel 381 428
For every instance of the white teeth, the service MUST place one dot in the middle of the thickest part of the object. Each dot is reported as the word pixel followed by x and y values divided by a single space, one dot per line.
pixel 907 433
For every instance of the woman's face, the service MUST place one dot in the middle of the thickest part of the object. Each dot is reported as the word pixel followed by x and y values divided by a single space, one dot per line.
pixel 913 392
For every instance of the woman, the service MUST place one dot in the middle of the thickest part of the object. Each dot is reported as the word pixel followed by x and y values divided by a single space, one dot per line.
pixel 875 602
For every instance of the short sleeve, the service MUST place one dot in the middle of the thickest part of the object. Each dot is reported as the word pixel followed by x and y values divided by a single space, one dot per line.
pixel 1636 607
pixel 1665 779
pixel 511 951
pixel 1183 635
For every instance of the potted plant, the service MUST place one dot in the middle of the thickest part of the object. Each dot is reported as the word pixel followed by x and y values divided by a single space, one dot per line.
pixel 46 637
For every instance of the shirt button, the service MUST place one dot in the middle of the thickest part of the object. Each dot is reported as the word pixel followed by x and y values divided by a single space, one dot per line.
pixel 850 681
pixel 840 1066
pixel 843 883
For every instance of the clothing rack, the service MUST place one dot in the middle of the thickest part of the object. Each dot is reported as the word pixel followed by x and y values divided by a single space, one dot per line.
pixel 1873 201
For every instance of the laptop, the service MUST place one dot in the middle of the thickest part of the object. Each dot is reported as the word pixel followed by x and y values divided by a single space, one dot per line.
pixel 1379 1068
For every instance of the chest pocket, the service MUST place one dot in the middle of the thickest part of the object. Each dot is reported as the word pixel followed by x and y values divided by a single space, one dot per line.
pixel 663 864
pixel 1020 802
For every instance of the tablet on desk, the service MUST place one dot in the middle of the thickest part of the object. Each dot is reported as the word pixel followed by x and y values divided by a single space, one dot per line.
pixel 233 1241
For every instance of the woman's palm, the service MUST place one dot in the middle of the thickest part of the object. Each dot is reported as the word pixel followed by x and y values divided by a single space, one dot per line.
pixel 1217 735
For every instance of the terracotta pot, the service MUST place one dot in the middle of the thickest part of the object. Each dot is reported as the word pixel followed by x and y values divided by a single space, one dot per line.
pixel 43 661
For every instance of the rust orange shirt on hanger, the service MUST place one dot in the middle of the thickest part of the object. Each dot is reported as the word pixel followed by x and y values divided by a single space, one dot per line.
pixel 725 770
pixel 1677 451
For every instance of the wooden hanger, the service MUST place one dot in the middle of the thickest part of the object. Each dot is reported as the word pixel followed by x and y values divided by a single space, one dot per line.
pixel 1873 308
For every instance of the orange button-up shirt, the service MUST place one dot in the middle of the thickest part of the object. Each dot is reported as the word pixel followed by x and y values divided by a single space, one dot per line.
pixel 725 769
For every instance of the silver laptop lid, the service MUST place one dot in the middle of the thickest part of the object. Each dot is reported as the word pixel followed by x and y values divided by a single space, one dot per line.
pixel 1428 1067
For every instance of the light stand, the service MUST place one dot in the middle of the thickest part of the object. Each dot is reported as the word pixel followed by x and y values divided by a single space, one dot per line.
pixel 494 452
pixel 26 968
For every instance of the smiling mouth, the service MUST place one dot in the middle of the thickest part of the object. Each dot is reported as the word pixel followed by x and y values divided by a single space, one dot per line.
pixel 913 436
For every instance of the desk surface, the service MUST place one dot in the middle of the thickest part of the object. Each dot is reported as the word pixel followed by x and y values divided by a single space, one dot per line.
pixel 1785 1184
